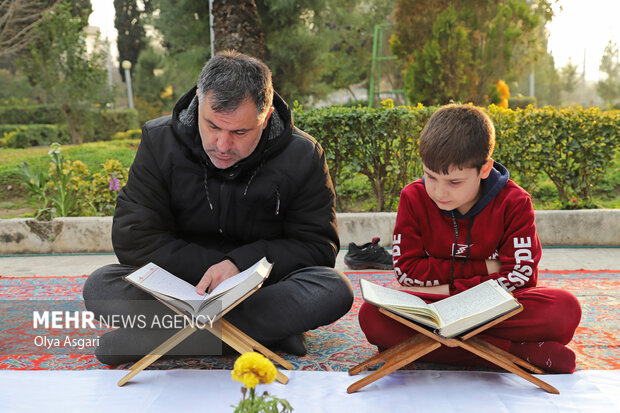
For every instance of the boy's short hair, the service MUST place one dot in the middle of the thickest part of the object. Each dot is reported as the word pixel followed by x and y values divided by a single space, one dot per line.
pixel 461 136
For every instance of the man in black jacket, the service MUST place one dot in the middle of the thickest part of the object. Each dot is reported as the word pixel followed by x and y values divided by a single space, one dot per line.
pixel 226 180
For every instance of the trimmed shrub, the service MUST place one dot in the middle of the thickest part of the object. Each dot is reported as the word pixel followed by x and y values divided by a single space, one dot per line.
pixel 34 114
pixel 25 136
pixel 381 144
pixel 108 122
pixel 571 146
pixel 95 124
pixel 130 134
pixel 522 102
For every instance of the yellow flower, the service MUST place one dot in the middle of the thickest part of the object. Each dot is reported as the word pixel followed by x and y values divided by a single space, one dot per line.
pixel 253 368
pixel 387 103
pixel 503 90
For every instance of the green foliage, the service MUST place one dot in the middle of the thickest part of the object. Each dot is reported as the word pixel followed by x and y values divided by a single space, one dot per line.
pixel 573 148
pixel 520 101
pixel 313 46
pixel 108 122
pixel 563 157
pixel 24 136
pixel 378 143
pixel 31 114
pixel 13 86
pixel 57 62
pixel 609 88
pixel 547 83
pixel 52 189
pixel 266 403
pixel 129 22
pixel 69 189
pixel 44 124
pixel 151 77
pixel 184 25
pixel 346 30
pixel 456 50
pixel 129 134
pixel 569 76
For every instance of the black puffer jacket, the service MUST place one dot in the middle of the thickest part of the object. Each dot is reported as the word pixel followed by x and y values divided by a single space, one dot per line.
pixel 183 214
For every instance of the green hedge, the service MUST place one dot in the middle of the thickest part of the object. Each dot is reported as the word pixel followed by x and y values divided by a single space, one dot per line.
pixel 381 144
pixel 95 124
pixel 35 114
pixel 572 147
pixel 25 136
pixel 110 122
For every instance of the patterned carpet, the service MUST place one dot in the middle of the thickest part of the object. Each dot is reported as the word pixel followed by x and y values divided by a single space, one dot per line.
pixel 336 347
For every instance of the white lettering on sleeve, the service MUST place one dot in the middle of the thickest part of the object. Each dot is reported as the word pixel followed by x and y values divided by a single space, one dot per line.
pixel 522 242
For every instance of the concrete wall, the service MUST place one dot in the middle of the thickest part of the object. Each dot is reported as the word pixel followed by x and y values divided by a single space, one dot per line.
pixel 600 227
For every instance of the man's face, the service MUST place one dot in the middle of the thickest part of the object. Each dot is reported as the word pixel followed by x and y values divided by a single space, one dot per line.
pixel 228 137
pixel 458 189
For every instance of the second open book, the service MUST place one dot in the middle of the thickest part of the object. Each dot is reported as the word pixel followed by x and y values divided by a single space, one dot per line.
pixel 451 316
pixel 183 296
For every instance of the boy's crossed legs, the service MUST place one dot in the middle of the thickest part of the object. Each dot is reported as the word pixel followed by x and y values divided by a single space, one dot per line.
pixel 538 334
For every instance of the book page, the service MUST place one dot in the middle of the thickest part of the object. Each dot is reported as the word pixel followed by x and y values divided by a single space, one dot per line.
pixel 229 283
pixel 152 277
pixel 471 302
pixel 388 297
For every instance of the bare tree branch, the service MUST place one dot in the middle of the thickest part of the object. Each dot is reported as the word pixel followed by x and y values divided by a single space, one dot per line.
pixel 17 19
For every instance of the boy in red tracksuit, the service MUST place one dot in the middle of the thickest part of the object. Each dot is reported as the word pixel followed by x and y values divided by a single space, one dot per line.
pixel 463 223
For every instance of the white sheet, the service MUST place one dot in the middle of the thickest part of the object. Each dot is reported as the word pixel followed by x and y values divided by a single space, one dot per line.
pixel 308 391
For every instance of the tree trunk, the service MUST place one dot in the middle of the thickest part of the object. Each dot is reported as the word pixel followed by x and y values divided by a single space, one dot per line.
pixel 236 26
pixel 76 139
pixel 559 184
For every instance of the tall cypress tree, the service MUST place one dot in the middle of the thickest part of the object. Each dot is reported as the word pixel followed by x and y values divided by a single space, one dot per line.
pixel 131 35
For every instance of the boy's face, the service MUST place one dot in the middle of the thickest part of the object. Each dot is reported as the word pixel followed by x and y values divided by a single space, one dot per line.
pixel 458 189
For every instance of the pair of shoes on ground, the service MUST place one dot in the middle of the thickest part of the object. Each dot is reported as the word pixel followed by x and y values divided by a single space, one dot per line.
pixel 369 255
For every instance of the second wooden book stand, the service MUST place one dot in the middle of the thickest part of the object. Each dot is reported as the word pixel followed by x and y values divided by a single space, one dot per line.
pixel 426 341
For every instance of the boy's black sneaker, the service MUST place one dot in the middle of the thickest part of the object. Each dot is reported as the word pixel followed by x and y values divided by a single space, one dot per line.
pixel 369 255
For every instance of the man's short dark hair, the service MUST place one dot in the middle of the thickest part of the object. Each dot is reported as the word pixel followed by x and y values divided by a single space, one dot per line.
pixel 231 77
pixel 461 136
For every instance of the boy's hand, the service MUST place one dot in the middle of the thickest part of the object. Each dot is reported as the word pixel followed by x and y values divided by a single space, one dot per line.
pixel 493 266
pixel 443 289
pixel 215 275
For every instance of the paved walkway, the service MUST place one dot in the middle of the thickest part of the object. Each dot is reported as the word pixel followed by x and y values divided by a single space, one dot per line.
pixel 81 264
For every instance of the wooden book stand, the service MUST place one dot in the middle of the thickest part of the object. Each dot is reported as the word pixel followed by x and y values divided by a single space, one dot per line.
pixel 231 335
pixel 426 341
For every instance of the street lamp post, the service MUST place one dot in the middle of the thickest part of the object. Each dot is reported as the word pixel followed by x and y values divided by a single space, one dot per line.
pixel 126 65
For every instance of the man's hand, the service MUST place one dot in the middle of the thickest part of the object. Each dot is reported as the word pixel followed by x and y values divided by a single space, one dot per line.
pixel 215 275
pixel 443 289
pixel 493 266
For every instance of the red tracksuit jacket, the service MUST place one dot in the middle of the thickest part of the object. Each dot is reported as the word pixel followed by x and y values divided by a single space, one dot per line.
pixel 500 225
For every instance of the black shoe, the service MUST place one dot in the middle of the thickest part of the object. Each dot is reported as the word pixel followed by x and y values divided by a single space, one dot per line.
pixel 369 255
pixel 295 344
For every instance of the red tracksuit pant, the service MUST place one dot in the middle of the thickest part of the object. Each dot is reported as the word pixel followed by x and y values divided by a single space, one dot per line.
pixel 539 333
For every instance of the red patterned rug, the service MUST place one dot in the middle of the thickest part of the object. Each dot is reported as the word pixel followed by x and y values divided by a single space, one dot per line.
pixel 336 347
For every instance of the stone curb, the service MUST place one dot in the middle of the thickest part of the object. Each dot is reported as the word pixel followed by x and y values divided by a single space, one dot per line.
pixel 596 228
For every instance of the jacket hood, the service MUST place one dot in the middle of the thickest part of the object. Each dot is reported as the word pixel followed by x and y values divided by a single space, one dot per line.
pixel 491 186
pixel 274 138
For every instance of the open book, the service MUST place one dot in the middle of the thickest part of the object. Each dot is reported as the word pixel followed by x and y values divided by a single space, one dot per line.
pixel 183 296
pixel 451 316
